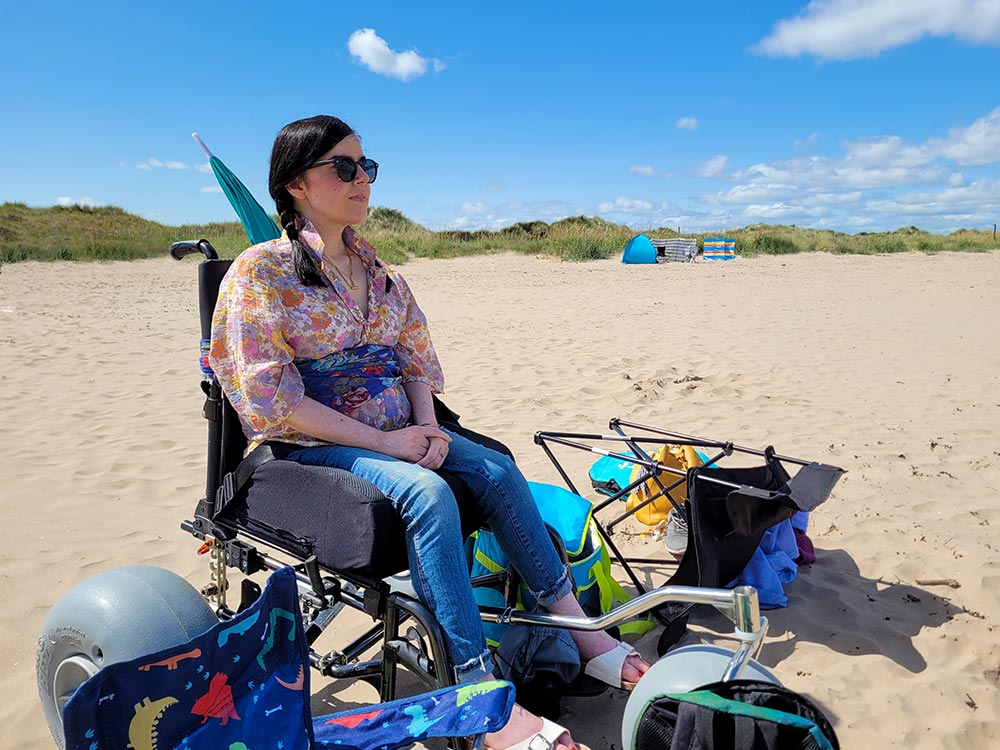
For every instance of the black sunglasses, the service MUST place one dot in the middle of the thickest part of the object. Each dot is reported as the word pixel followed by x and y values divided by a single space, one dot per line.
pixel 347 168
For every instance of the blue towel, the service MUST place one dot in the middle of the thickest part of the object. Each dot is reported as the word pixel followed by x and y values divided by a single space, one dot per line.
pixel 772 565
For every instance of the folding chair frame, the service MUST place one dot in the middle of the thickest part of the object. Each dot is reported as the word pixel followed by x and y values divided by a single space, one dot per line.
pixel 652 470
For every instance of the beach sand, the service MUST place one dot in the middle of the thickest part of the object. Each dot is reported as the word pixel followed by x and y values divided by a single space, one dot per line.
pixel 886 366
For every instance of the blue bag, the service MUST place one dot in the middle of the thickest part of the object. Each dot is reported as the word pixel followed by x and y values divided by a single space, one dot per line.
pixel 570 516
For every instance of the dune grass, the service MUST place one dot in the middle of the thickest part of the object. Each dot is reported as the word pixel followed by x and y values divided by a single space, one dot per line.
pixel 102 233
pixel 110 233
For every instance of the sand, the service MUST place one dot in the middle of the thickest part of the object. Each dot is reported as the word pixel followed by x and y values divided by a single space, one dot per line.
pixel 886 366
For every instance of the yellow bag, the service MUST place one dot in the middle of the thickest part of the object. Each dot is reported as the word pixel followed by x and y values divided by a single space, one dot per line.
pixel 681 457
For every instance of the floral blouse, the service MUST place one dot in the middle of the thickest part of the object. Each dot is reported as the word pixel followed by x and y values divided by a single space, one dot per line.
pixel 266 320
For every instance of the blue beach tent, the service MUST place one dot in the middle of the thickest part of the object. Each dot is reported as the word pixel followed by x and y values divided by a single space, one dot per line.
pixel 639 250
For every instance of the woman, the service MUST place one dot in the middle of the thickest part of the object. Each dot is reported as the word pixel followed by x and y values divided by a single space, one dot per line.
pixel 317 342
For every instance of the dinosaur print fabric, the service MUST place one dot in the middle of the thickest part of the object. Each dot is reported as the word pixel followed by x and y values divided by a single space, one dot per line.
pixel 245 680
pixel 244 685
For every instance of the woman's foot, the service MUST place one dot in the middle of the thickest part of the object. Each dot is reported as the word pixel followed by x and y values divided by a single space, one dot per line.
pixel 595 644
pixel 620 666
pixel 523 726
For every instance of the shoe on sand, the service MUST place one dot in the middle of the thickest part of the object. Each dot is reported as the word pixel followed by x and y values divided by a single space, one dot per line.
pixel 676 539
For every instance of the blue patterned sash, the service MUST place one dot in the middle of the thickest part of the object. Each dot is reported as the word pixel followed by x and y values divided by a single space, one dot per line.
pixel 348 378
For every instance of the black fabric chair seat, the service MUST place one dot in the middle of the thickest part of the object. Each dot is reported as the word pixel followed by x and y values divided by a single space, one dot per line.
pixel 726 524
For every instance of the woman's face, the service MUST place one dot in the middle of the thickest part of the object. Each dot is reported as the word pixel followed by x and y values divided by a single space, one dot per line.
pixel 326 200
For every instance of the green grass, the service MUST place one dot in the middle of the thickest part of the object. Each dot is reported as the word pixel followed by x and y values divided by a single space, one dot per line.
pixel 769 239
pixel 110 233
pixel 104 233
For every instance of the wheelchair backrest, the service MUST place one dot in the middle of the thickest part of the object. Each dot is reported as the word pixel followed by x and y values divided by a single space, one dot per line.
pixel 226 441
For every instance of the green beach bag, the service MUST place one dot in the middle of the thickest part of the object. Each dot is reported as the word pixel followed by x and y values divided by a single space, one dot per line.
pixel 571 517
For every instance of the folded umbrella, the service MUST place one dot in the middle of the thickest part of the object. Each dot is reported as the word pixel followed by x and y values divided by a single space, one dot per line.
pixel 257 223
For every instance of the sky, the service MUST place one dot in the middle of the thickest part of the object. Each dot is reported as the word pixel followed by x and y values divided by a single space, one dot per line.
pixel 852 115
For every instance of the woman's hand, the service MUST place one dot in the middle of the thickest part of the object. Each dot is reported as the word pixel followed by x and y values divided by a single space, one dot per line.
pixel 414 443
pixel 437 451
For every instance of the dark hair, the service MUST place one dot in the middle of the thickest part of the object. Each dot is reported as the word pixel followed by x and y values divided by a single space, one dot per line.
pixel 298 145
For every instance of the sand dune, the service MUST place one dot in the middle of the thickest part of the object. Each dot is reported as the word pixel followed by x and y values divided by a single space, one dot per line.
pixel 886 366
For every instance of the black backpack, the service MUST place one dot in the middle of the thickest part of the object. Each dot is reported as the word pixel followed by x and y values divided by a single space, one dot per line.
pixel 737 715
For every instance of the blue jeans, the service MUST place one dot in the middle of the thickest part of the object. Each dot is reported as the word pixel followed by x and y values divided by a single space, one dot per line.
pixel 438 567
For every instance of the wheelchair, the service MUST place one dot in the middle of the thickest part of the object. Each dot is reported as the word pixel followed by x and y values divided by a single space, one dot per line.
pixel 347 548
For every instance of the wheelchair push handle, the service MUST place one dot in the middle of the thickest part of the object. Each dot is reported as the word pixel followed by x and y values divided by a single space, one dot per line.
pixel 182 249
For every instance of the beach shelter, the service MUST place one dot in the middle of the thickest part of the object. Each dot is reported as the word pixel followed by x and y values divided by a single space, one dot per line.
pixel 257 223
pixel 676 250
pixel 719 248
pixel 639 250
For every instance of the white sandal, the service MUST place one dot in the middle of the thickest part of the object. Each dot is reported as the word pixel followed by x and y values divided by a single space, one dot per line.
pixel 608 666
pixel 545 738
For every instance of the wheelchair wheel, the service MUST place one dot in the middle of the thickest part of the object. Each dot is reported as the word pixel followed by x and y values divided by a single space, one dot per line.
pixel 115 616
pixel 680 671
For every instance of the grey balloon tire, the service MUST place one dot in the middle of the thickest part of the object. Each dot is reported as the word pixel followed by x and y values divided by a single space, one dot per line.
pixel 117 615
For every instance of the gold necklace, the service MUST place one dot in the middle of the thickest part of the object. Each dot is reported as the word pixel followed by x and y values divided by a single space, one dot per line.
pixel 347 279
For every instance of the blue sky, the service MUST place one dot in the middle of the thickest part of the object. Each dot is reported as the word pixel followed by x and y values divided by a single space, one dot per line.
pixel 854 115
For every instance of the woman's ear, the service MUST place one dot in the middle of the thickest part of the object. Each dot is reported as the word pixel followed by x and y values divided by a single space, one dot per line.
pixel 296 189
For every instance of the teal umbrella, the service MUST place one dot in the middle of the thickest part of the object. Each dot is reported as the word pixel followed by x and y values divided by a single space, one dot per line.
pixel 257 223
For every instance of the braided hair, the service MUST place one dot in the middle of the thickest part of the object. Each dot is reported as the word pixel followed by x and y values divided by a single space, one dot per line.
pixel 296 146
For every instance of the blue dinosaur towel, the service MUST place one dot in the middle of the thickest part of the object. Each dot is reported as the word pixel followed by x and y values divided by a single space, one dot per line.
pixel 241 685
pixel 244 685
pixel 459 711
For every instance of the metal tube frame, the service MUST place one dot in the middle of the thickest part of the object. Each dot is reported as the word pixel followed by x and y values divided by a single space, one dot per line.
pixel 652 470
pixel 740 605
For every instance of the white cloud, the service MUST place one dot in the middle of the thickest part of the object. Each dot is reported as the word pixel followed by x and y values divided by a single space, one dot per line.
pixel 754 193
pixel 374 53
pixel 648 171
pixel 817 198
pixel 888 161
pixel 840 173
pixel 154 163
pixel 65 201
pixel 980 198
pixel 479 215
pixel 459 222
pixel 877 182
pixel 206 168
pixel 714 167
pixel 850 29
pixel 889 150
pixel 972 146
pixel 781 213
pixel 625 206
pixel 210 189
pixel 804 144
pixel 687 123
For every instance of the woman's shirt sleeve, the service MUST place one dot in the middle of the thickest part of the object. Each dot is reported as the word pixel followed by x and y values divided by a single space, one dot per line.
pixel 249 353
pixel 414 351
